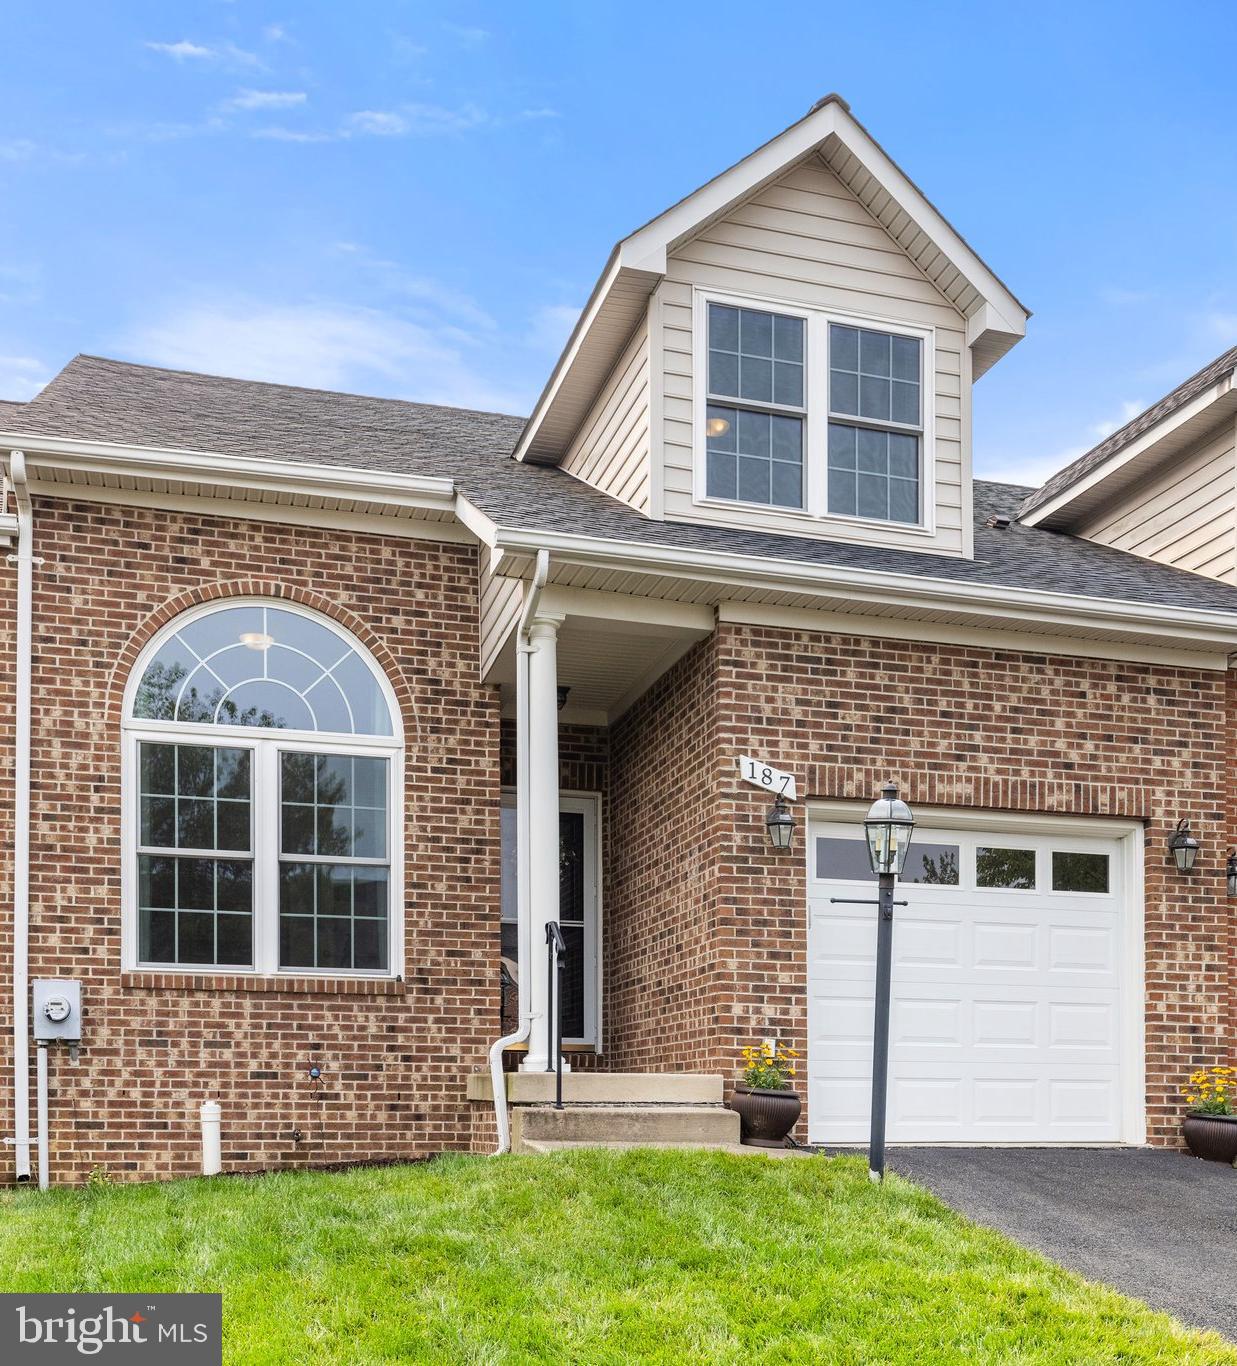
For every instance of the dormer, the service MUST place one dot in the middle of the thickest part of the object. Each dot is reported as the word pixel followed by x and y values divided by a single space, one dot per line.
pixel 791 348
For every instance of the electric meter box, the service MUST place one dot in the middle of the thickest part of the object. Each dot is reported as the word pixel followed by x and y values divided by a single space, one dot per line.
pixel 58 1010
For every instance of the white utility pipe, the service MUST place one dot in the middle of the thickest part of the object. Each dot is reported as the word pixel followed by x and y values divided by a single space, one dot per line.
pixel 498 1081
pixel 40 1091
pixel 212 1158
pixel 21 817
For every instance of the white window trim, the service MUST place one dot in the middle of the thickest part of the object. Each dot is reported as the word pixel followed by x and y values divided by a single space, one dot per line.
pixel 266 745
pixel 816 414
pixel 587 804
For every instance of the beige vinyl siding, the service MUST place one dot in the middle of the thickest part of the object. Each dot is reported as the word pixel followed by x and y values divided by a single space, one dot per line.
pixel 1185 515
pixel 806 240
pixel 499 600
pixel 611 449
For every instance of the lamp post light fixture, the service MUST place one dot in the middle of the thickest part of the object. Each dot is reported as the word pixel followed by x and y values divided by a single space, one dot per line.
pixel 1183 846
pixel 780 823
pixel 888 827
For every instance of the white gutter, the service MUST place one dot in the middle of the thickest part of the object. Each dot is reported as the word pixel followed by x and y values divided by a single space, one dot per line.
pixel 523 816
pixel 210 467
pixel 21 816
pixel 999 602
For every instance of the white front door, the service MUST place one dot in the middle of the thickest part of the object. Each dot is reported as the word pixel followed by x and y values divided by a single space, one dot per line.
pixel 579 818
pixel 1014 1014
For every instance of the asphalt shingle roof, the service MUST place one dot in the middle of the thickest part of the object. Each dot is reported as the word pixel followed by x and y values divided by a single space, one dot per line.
pixel 106 400
pixel 1176 398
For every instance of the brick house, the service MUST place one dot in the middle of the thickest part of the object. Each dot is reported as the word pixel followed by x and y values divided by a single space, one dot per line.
pixel 319 708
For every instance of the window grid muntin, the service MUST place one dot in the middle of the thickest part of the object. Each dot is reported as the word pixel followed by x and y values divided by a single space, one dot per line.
pixel 181 858
pixel 851 489
pixel 321 865
pixel 341 657
pixel 726 446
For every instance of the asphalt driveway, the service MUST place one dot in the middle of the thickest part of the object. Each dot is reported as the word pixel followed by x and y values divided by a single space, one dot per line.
pixel 1156 1225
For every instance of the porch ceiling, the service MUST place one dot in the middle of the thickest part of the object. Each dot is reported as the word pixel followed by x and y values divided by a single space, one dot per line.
pixel 605 657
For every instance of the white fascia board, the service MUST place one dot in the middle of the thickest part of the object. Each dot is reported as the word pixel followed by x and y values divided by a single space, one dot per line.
pixel 227 471
pixel 481 526
pixel 647 248
pixel 588 315
pixel 1123 455
pixel 882 588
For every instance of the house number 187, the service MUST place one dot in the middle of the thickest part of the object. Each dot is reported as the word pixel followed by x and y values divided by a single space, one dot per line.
pixel 764 775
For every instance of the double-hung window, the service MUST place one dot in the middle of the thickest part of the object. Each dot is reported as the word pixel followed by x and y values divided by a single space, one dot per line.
pixel 263 756
pixel 875 424
pixel 812 413
pixel 755 413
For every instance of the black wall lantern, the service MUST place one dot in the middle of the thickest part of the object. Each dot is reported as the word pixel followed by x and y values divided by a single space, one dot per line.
pixel 1183 846
pixel 780 823
pixel 1230 872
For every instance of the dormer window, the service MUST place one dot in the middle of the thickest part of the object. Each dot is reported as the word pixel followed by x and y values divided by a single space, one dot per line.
pixel 875 424
pixel 754 422
pixel 813 413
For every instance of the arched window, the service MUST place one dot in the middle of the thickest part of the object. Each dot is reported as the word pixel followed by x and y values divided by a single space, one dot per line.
pixel 262 781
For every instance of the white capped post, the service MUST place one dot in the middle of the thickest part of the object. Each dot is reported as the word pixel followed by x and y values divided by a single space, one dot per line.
pixel 211 1116
pixel 543 879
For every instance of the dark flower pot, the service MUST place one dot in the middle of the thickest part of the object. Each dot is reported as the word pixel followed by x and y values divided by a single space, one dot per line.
pixel 1212 1137
pixel 766 1117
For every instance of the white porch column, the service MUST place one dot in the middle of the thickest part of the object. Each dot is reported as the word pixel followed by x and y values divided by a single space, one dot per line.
pixel 543 878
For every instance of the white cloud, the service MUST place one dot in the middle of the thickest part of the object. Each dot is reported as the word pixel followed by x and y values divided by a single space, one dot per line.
pixel 186 51
pixel 183 51
pixel 17 149
pixel 427 295
pixel 277 133
pixel 275 33
pixel 1035 469
pixel 21 377
pixel 320 345
pixel 467 34
pixel 378 122
pixel 1223 326
pixel 551 326
pixel 417 120
pixel 265 99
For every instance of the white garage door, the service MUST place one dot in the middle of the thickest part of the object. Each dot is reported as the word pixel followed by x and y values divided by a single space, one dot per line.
pixel 1011 987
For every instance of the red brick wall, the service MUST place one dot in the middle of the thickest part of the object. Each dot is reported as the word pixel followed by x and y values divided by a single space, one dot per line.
pixel 393 1055
pixel 707 936
pixel 669 931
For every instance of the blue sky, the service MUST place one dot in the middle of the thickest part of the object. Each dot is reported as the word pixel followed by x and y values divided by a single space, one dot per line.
pixel 415 199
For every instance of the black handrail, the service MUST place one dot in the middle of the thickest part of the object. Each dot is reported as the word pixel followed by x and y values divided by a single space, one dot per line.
pixel 556 948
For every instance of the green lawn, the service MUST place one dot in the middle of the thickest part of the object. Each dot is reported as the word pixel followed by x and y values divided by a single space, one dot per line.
pixel 590 1257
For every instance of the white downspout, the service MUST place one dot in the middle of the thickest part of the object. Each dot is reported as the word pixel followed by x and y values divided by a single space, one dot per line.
pixel 523 648
pixel 21 816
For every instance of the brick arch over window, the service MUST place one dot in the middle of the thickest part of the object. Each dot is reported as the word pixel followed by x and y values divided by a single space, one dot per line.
pixel 253 588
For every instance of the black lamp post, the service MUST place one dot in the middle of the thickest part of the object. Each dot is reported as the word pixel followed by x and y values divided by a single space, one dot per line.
pixel 888 828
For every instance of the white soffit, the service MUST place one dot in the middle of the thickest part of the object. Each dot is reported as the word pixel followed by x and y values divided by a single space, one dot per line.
pixel 995 318
pixel 102 471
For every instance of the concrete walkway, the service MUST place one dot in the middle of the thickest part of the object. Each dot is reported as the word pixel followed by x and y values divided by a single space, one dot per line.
pixel 1156 1225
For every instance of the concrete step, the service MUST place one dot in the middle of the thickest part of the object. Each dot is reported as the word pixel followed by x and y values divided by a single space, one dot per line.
pixel 552 1145
pixel 604 1088
pixel 646 1125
